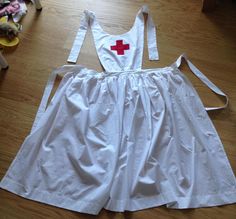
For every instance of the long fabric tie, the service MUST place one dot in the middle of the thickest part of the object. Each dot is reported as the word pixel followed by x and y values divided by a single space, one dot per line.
pixel 204 79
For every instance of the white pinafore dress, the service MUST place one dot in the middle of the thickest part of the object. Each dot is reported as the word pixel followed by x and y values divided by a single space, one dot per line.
pixel 123 139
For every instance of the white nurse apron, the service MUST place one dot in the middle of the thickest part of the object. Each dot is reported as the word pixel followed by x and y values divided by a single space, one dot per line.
pixel 124 139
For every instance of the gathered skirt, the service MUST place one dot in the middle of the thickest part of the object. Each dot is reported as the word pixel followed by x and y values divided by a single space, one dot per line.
pixel 123 141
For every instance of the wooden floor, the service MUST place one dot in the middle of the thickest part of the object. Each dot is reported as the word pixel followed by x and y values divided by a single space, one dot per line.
pixel 208 39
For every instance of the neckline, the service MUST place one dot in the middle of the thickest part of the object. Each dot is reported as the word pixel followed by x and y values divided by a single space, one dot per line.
pixel 97 23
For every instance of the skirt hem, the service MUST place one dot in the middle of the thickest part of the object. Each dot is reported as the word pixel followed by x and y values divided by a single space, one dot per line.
pixel 90 207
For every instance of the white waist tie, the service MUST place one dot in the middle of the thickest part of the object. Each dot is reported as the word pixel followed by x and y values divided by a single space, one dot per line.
pixel 204 79
pixel 63 70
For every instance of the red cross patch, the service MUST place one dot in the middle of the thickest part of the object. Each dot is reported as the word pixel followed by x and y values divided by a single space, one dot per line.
pixel 120 47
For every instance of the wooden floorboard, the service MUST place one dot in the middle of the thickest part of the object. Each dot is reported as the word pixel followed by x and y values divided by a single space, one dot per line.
pixel 208 39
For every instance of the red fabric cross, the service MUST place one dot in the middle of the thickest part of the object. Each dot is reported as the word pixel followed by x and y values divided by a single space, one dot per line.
pixel 120 47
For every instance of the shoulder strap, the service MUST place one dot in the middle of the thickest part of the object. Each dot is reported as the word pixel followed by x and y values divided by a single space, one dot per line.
pixel 204 79
pixel 79 39
pixel 151 33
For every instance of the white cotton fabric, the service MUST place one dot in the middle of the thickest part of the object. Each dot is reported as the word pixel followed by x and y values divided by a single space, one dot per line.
pixel 123 140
